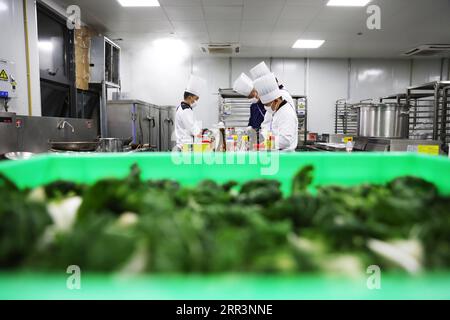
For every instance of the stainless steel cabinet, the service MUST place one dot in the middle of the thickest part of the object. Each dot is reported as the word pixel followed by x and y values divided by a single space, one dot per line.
pixel 8 133
pixel 153 125
pixel 134 119
pixel 167 128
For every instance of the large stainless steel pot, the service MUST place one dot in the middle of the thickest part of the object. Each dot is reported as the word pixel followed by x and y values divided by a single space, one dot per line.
pixel 393 121
pixel 383 121
pixel 367 119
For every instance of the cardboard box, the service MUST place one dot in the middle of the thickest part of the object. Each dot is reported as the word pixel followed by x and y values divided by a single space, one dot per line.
pixel 82 57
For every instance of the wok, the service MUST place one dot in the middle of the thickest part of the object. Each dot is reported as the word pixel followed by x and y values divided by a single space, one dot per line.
pixel 81 146
pixel 74 146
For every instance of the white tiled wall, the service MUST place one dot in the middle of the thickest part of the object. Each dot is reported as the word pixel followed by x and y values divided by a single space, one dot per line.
pixel 426 71
pixel 327 82
pixel 377 78
pixel 291 73
pixel 217 75
pixel 157 80
pixel 239 66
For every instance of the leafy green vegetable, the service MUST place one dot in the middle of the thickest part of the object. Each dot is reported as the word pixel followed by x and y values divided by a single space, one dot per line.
pixel 164 227
pixel 302 180
pixel 262 192
pixel 21 224
pixel 7 184
pixel 63 189
pixel 97 245
pixel 435 234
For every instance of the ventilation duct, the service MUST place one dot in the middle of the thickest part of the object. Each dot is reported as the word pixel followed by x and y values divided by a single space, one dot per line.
pixel 430 50
pixel 220 48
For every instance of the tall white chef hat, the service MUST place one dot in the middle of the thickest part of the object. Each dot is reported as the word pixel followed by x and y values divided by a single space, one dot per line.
pixel 196 85
pixel 267 88
pixel 243 85
pixel 260 70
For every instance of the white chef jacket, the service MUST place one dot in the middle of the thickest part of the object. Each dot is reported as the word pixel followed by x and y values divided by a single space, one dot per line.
pixel 265 126
pixel 287 96
pixel 268 116
pixel 186 128
pixel 284 126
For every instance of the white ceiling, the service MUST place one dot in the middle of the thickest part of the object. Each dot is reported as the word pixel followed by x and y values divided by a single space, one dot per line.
pixel 268 28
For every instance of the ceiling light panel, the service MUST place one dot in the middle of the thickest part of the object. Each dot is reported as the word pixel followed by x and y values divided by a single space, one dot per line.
pixel 139 3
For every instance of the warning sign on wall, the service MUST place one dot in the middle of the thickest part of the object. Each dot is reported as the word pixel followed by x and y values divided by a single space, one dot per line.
pixel 4 76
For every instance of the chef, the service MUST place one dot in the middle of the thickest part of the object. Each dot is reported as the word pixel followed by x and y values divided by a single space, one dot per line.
pixel 186 128
pixel 262 70
pixel 259 71
pixel 284 121
pixel 244 86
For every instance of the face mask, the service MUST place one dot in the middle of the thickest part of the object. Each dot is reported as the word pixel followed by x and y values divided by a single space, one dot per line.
pixel 254 100
pixel 194 104
pixel 272 105
pixel 268 109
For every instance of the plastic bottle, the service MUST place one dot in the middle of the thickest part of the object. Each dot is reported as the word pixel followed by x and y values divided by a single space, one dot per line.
pixel 349 146
pixel 245 143
pixel 231 144
pixel 268 142
pixel 272 143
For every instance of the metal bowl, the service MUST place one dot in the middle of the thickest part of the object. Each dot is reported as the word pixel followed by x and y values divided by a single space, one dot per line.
pixel 19 155
pixel 110 145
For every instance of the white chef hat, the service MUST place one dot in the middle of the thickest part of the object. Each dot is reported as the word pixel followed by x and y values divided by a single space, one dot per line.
pixel 267 88
pixel 196 85
pixel 260 70
pixel 243 85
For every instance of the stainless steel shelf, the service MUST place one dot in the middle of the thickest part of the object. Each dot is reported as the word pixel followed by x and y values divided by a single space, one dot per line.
pixel 434 112
pixel 346 118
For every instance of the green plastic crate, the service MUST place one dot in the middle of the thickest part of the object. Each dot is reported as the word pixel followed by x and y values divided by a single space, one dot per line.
pixel 17 286
pixel 331 168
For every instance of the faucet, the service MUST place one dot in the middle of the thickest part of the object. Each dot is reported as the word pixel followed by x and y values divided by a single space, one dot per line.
pixel 62 125
pixel 5 104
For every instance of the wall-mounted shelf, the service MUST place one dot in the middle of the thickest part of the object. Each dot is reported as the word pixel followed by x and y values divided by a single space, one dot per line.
pixel 105 62
pixel 105 71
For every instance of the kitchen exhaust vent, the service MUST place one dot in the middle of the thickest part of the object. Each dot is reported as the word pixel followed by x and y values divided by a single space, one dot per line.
pixel 220 48
pixel 429 50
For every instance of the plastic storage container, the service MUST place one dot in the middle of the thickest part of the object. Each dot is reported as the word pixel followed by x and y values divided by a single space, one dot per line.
pixel 189 169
